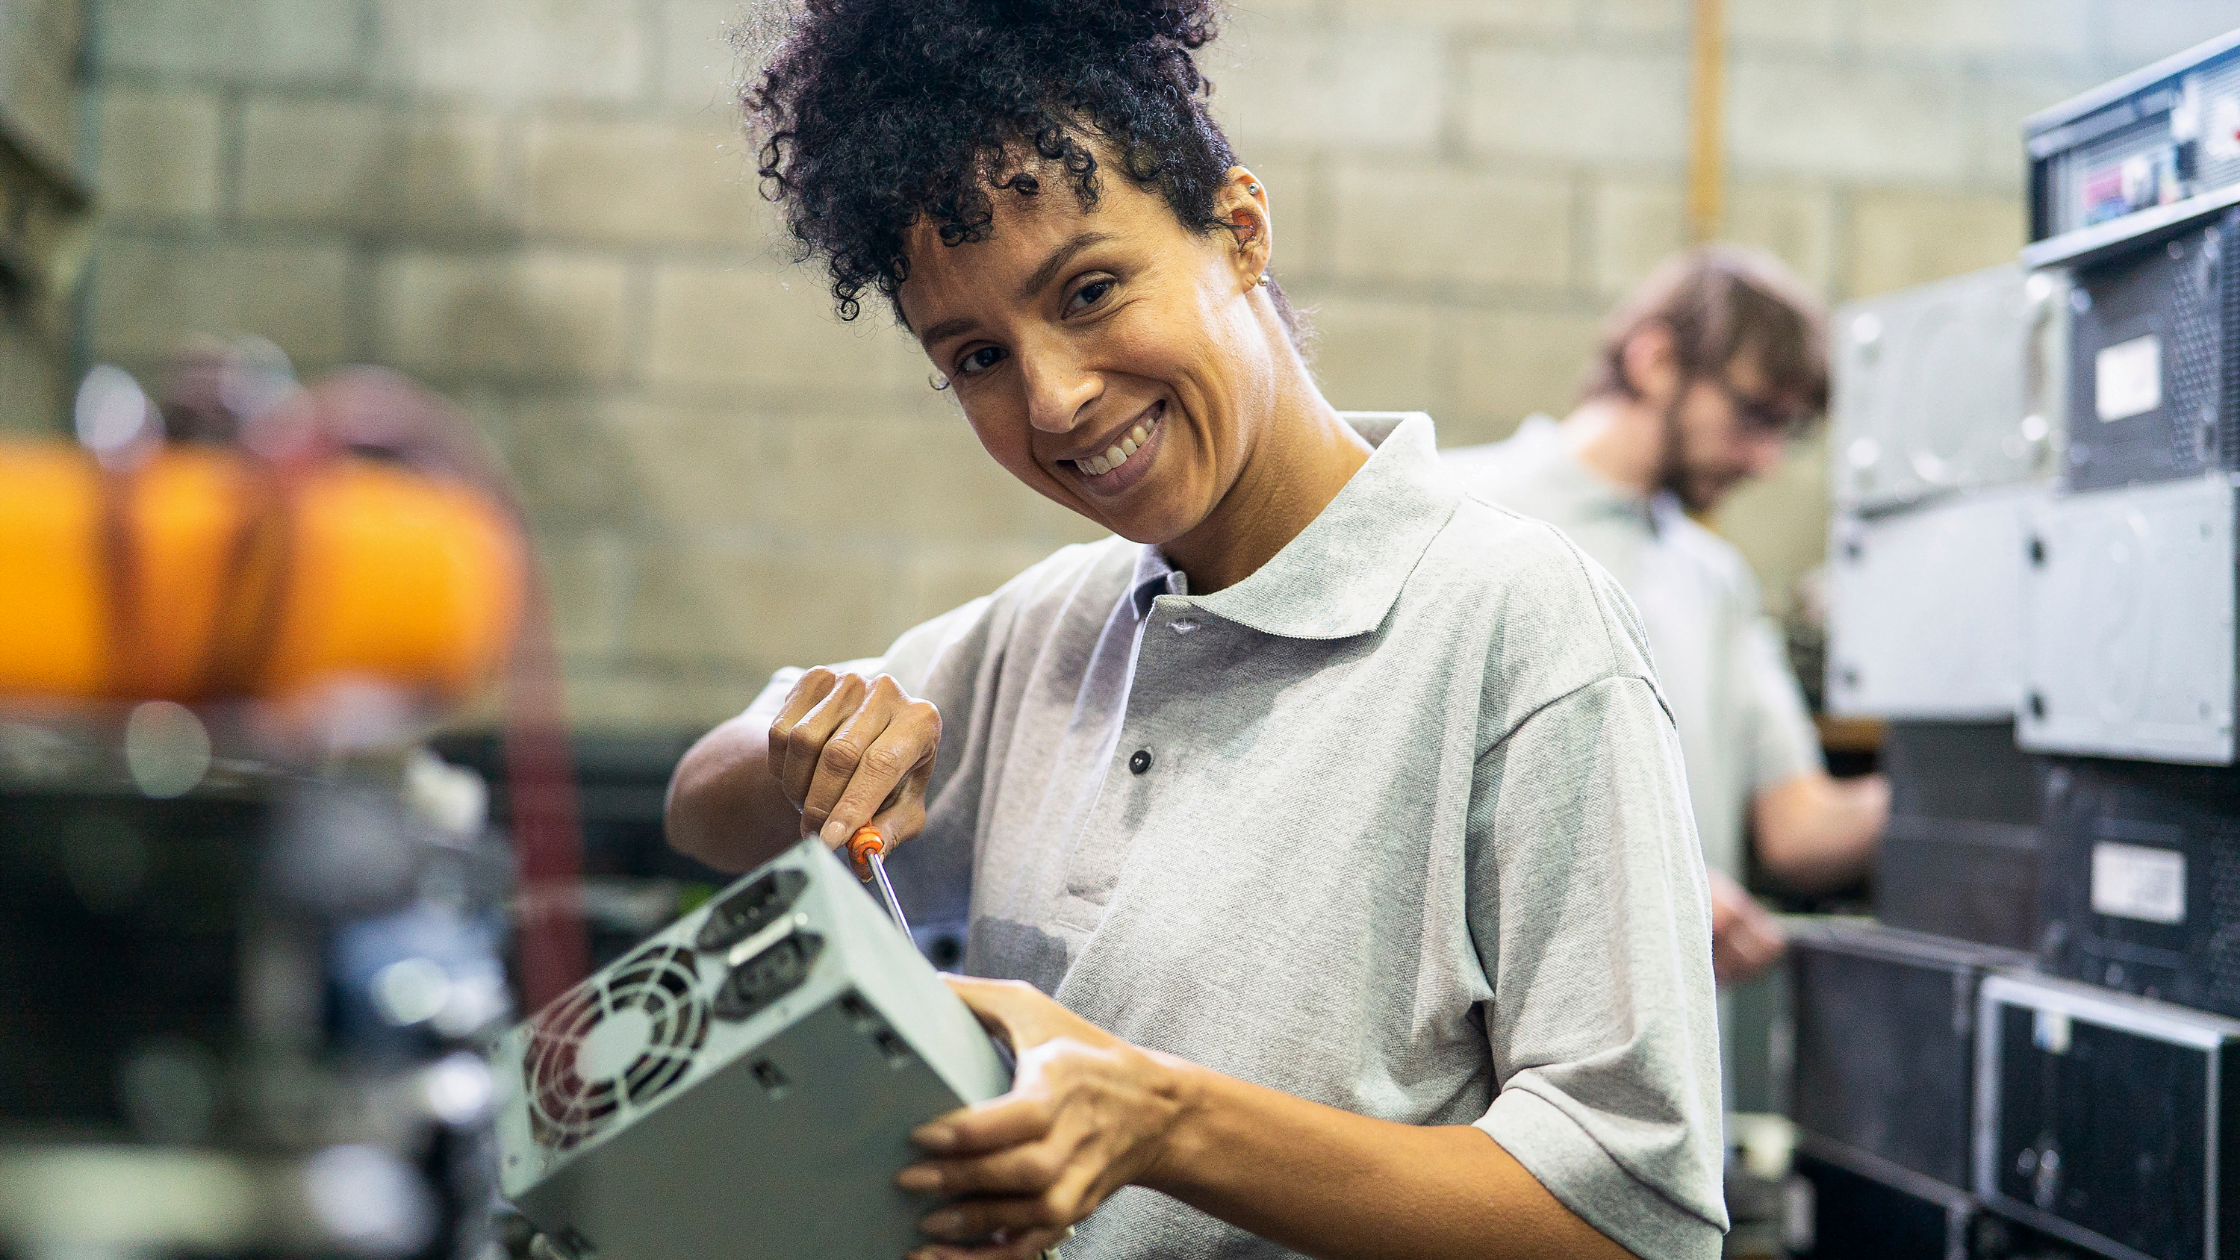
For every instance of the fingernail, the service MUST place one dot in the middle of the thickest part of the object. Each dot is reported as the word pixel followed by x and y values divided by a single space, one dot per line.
pixel 934 1137
pixel 918 1177
pixel 834 833
pixel 942 1223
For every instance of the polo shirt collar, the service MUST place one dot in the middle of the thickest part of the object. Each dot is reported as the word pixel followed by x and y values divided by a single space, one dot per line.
pixel 1341 574
pixel 1556 469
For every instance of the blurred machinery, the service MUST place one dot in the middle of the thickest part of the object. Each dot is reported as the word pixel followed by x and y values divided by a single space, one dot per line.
pixel 252 936
pixel 2032 578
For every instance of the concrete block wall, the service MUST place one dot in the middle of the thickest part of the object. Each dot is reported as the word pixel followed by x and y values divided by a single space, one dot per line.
pixel 39 108
pixel 542 208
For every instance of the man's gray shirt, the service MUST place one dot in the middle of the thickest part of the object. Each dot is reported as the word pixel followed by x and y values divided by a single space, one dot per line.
pixel 1396 824
pixel 1743 724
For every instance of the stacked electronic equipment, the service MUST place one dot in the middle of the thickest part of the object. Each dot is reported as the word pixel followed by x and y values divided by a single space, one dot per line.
pixel 2037 1046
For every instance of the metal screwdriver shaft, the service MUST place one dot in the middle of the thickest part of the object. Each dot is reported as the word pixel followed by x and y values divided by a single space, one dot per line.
pixel 867 852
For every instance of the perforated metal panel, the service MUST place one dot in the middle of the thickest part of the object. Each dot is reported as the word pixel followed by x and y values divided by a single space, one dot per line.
pixel 1956 385
pixel 2159 137
pixel 1925 606
pixel 2171 311
pixel 2128 638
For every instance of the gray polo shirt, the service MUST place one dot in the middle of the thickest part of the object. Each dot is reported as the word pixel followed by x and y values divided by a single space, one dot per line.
pixel 1395 824
pixel 1742 718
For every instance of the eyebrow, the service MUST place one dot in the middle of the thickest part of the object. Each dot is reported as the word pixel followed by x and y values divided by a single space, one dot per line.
pixel 1033 284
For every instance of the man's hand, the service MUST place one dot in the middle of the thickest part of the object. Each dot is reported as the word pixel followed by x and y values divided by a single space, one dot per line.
pixel 851 751
pixel 1087 1114
pixel 1745 940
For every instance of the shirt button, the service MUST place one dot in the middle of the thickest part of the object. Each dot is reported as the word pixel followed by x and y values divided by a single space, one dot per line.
pixel 1140 761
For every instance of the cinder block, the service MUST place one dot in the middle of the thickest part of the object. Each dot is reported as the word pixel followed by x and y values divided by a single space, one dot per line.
pixel 159 154
pixel 36 81
pixel 512 50
pixel 431 172
pixel 1976 27
pixel 933 478
pixel 32 398
pixel 1539 16
pixel 1508 364
pixel 1904 238
pixel 700 467
pixel 938 577
pixel 659 698
pixel 700 67
pixel 2126 36
pixel 1418 221
pixel 1637 223
pixel 1365 88
pixel 1377 355
pixel 149 296
pixel 232 41
pixel 575 461
pixel 1997 104
pixel 1299 201
pixel 1882 123
pixel 587 575
pixel 1588 104
pixel 1794 221
pixel 1639 17
pixel 772 330
pixel 1807 24
pixel 655 183
pixel 527 316
pixel 785 601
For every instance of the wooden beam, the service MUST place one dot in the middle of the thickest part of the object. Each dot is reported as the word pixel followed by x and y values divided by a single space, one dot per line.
pixel 1707 115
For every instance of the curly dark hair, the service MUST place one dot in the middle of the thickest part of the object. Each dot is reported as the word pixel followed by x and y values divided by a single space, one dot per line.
pixel 873 114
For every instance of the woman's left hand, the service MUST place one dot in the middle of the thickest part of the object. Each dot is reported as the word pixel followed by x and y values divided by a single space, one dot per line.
pixel 1087 1114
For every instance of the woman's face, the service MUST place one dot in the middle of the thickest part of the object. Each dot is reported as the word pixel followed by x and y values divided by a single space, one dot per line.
pixel 1112 359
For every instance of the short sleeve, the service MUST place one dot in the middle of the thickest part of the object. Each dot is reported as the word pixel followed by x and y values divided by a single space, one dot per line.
pixel 1591 916
pixel 1782 741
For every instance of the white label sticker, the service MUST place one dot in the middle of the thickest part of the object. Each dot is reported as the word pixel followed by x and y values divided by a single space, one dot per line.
pixel 2223 138
pixel 2131 882
pixel 2127 378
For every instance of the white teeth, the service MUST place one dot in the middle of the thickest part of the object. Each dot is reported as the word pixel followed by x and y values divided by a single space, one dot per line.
pixel 1115 457
pixel 1130 446
pixel 1094 466
pixel 1137 436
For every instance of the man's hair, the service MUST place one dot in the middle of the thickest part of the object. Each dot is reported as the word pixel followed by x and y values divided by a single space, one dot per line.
pixel 1720 302
pixel 874 115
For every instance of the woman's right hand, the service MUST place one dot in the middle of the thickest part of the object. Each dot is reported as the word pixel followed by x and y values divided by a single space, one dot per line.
pixel 852 752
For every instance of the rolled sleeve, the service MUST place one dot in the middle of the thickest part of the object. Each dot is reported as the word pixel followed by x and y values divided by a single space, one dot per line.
pixel 1592 916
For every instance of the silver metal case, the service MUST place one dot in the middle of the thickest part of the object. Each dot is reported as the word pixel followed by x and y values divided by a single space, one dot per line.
pixel 2128 639
pixel 1925 607
pixel 2106 1120
pixel 1954 385
pixel 742 1083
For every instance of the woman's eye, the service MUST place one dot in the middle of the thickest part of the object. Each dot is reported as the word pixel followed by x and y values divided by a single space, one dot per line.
pixel 1090 294
pixel 979 360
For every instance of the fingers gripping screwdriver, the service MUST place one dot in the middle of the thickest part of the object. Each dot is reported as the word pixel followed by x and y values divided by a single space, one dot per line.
pixel 867 853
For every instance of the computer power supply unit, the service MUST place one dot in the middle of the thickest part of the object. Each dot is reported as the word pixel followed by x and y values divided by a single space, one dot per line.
pixel 743 1083
pixel 2142 879
pixel 1925 608
pixel 2154 383
pixel 1954 385
pixel 2108 1120
pixel 2128 640
pixel 1962 852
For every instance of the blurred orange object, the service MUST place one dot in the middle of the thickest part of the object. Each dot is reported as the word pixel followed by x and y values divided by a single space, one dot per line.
pixel 204 573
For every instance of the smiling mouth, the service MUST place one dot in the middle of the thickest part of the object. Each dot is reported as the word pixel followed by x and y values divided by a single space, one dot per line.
pixel 1112 457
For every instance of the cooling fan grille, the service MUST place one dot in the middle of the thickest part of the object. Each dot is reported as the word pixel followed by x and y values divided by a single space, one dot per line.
pixel 625 1039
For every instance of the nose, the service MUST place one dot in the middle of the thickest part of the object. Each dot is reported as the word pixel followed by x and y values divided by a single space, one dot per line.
pixel 1059 387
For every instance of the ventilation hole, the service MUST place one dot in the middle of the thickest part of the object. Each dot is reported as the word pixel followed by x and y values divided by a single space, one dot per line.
pixel 897 1051
pixel 860 1015
pixel 657 986
pixel 767 1075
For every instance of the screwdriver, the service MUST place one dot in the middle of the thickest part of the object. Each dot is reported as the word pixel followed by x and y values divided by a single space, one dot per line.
pixel 867 851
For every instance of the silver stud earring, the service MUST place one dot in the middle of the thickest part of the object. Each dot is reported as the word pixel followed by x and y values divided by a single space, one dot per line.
pixel 1263 279
pixel 1254 189
pixel 937 380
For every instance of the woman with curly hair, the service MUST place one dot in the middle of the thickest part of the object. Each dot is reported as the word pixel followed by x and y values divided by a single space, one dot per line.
pixel 1321 836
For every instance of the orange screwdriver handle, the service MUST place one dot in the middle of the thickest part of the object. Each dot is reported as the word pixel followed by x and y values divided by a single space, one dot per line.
pixel 861 847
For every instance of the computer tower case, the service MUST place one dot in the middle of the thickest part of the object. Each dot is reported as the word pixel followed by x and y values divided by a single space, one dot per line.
pixel 2127 628
pixel 1954 385
pixel 2142 880
pixel 2106 1119
pixel 2154 380
pixel 1960 855
pixel 1884 1047
pixel 749 1075
pixel 2126 157
pixel 1925 608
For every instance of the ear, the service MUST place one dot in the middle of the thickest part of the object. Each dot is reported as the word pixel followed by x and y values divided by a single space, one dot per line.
pixel 1242 205
pixel 1652 367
